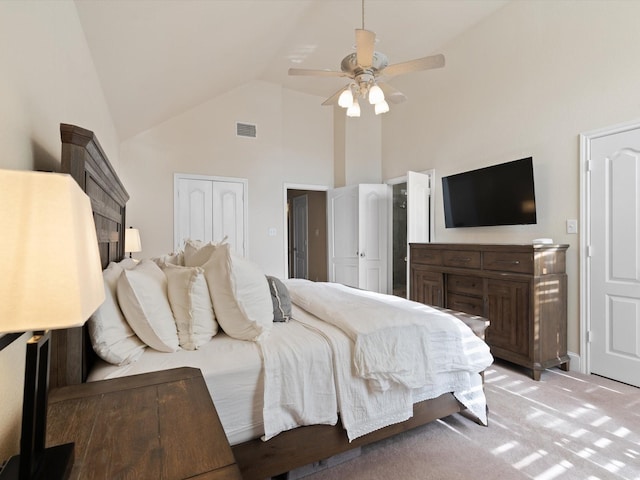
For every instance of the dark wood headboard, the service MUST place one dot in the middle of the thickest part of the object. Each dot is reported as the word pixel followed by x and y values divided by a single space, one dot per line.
pixel 84 159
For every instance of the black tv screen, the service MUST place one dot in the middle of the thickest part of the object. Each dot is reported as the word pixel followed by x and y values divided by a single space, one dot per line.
pixel 497 195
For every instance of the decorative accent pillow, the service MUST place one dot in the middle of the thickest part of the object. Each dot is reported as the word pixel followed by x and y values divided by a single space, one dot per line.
pixel 127 263
pixel 111 336
pixel 280 299
pixel 191 304
pixel 240 295
pixel 197 253
pixel 170 259
pixel 142 294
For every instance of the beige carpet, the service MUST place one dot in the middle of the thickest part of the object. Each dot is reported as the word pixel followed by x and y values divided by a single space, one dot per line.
pixel 567 426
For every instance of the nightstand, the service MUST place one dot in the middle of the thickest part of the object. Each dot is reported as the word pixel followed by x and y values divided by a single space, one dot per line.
pixel 160 425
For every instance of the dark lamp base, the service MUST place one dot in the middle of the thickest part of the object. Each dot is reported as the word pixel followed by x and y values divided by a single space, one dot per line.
pixel 56 464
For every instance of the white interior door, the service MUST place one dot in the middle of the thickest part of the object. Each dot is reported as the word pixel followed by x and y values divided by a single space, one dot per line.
pixel 300 237
pixel 614 220
pixel 358 236
pixel 342 232
pixel 210 209
pixel 418 214
pixel 373 251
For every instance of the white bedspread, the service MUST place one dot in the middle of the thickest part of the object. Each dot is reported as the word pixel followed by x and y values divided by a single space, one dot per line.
pixel 299 388
pixel 398 352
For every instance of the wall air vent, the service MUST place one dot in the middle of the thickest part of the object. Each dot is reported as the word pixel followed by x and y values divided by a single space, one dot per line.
pixel 245 130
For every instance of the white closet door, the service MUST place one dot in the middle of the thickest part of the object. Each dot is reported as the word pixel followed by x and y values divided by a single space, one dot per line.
pixel 210 209
pixel 615 258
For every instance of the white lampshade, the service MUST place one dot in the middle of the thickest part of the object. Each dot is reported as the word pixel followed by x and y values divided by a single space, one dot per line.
pixel 376 95
pixel 381 107
pixel 354 109
pixel 51 274
pixel 345 100
pixel 132 240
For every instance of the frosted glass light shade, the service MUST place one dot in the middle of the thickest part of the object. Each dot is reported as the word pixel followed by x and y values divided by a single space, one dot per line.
pixel 132 240
pixel 354 109
pixel 345 100
pixel 376 95
pixel 51 273
pixel 381 107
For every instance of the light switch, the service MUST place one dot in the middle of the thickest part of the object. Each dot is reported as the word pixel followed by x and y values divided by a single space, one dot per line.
pixel 572 226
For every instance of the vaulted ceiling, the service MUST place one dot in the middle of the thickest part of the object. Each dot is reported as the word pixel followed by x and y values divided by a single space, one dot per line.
pixel 158 58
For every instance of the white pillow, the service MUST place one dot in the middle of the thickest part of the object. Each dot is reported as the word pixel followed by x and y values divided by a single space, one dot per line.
pixel 127 263
pixel 111 336
pixel 240 294
pixel 142 294
pixel 197 253
pixel 191 304
pixel 171 258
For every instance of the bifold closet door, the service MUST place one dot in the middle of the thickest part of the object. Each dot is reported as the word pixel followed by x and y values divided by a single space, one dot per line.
pixel 210 209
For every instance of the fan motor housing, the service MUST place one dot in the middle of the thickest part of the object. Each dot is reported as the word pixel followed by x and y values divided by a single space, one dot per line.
pixel 350 64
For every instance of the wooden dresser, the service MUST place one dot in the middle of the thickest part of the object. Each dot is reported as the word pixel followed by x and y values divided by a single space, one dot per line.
pixel 520 289
pixel 160 425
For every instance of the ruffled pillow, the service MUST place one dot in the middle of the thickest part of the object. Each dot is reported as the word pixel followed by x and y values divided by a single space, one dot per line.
pixel 112 338
pixel 191 305
pixel 142 294
pixel 240 294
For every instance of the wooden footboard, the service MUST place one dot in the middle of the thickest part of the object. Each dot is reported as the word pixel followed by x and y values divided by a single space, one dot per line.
pixel 304 445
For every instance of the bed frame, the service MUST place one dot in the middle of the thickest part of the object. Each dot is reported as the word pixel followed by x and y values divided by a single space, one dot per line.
pixel 72 355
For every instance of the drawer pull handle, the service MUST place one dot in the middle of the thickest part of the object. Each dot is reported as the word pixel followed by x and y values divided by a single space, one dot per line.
pixel 461 259
pixel 509 262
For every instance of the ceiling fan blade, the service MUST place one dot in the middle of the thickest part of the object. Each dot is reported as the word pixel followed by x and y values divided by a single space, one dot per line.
pixel 391 94
pixel 426 63
pixel 316 73
pixel 365 41
pixel 333 99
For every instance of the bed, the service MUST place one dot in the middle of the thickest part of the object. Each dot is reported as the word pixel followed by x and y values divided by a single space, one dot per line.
pixel 288 446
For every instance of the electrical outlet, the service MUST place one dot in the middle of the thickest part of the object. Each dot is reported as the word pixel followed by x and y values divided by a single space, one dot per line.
pixel 572 226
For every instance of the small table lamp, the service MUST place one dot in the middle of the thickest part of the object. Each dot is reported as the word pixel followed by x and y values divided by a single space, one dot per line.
pixel 132 241
pixel 51 279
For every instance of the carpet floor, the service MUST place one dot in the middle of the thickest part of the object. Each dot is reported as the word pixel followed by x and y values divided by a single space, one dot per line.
pixel 566 426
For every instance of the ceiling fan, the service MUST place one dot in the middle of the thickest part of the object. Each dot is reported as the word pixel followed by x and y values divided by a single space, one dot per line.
pixel 365 67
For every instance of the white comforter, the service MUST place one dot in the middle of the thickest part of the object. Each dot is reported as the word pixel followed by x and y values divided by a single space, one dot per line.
pixel 389 353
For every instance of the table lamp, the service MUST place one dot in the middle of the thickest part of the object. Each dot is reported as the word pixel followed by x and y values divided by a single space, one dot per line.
pixel 132 241
pixel 51 279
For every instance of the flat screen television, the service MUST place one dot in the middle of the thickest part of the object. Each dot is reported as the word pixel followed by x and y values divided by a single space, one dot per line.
pixel 501 194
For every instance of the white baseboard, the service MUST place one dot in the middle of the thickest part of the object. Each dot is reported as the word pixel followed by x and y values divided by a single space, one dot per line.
pixel 575 365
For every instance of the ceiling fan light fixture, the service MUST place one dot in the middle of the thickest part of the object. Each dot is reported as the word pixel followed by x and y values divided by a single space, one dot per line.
pixel 376 95
pixel 382 107
pixel 354 109
pixel 346 98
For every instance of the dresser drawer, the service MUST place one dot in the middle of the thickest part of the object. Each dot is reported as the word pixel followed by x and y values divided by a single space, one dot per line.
pixel 517 262
pixel 461 258
pixel 426 256
pixel 462 303
pixel 464 285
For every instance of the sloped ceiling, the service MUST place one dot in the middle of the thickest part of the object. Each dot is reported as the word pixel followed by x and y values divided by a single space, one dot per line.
pixel 158 58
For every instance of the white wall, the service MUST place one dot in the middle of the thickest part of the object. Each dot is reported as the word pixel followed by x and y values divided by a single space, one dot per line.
pixel 525 82
pixel 47 78
pixel 293 145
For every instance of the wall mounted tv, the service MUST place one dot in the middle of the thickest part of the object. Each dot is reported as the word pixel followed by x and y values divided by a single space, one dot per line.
pixel 501 194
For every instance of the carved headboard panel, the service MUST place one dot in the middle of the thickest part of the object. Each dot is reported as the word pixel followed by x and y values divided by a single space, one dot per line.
pixel 84 159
